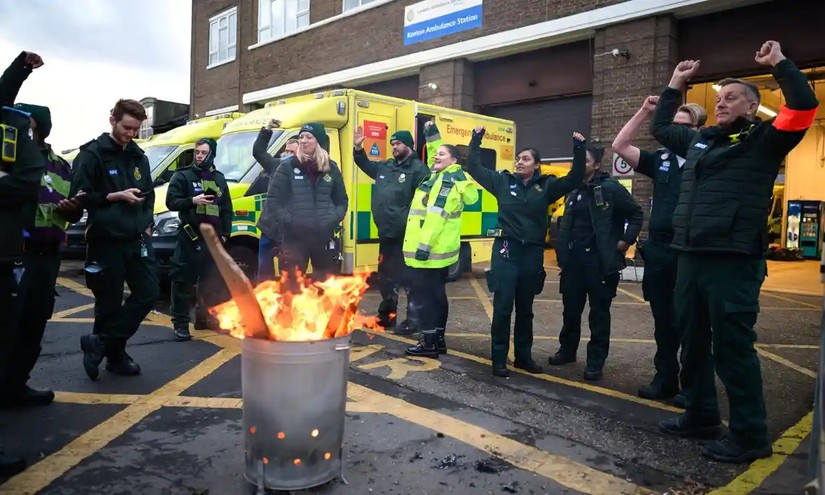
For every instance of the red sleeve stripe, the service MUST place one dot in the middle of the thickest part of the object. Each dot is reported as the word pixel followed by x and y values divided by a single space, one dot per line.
pixel 790 120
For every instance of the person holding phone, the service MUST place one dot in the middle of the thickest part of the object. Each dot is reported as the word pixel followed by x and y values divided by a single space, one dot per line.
pixel 113 171
pixel 200 195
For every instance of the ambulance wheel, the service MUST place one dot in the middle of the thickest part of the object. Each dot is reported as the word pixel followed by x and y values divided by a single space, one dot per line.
pixel 246 258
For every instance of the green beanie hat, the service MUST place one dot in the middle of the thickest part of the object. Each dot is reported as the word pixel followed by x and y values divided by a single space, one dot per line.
pixel 41 115
pixel 403 136
pixel 317 130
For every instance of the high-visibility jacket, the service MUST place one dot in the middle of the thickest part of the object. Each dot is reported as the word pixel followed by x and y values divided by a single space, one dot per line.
pixel 433 235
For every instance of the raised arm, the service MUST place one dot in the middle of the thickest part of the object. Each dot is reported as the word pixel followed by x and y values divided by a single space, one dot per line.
pixel 14 76
pixel 799 112
pixel 360 155
pixel 674 137
pixel 259 149
pixel 490 180
pixel 434 141
pixel 623 144
pixel 574 178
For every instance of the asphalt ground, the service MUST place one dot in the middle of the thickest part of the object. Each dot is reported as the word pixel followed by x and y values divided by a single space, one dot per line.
pixel 412 425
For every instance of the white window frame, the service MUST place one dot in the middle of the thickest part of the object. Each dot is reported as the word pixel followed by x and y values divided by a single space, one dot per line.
pixel 265 22
pixel 361 3
pixel 231 16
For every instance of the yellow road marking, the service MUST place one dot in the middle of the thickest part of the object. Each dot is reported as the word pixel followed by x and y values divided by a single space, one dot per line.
pixel 43 473
pixel 788 299
pixel 488 308
pixel 787 363
pixel 631 295
pixel 783 447
pixel 74 286
pixel 89 398
pixel 557 468
pixel 204 402
pixel 399 367
pixel 66 312
pixel 550 378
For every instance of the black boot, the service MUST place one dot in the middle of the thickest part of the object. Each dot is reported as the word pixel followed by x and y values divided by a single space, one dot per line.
pixel 686 427
pixel 208 322
pixel 529 366
pixel 123 365
pixel 440 343
pixel 659 389
pixel 93 353
pixel 425 347
pixel 182 334
pixel 592 374
pixel 561 358
pixel 387 320
pixel 404 328
pixel 731 451
pixel 26 397
pixel 9 466
pixel 680 400
pixel 501 371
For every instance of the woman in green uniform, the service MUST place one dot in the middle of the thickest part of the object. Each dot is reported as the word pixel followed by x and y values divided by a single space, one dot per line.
pixel 516 274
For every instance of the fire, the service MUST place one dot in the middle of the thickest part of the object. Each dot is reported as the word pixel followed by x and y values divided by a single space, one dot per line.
pixel 319 310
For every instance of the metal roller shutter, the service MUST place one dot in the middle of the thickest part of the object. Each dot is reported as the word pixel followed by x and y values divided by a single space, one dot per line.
pixel 547 125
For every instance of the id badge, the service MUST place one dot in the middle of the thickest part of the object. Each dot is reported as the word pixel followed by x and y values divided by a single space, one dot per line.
pixel 144 252
pixel 597 193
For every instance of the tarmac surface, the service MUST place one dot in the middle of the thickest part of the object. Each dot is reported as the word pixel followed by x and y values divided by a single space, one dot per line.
pixel 413 426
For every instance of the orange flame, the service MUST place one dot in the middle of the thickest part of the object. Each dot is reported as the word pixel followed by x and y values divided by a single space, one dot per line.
pixel 319 310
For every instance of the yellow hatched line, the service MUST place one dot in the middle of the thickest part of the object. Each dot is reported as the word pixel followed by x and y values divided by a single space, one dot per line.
pixel 787 363
pixel 77 309
pixel 788 299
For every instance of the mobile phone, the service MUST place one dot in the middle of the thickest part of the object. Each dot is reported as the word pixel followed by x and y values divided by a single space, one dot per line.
pixel 143 194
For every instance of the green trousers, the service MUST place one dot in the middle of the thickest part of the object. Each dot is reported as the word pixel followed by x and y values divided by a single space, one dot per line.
pixel 658 286
pixel 192 264
pixel 717 302
pixel 516 275
pixel 109 264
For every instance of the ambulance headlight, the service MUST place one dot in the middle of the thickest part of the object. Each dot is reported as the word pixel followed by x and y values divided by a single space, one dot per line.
pixel 167 223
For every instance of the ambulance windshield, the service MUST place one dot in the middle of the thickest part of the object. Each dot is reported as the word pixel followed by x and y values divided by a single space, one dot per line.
pixel 234 156
pixel 156 155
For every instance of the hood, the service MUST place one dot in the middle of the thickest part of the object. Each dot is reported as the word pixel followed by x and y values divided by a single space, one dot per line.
pixel 213 151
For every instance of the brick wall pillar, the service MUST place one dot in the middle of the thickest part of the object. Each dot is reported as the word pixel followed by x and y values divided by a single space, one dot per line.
pixel 454 84
pixel 620 85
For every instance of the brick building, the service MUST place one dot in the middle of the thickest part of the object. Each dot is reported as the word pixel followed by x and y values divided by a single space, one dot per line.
pixel 553 66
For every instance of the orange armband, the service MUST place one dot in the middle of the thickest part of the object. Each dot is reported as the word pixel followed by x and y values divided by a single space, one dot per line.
pixel 790 120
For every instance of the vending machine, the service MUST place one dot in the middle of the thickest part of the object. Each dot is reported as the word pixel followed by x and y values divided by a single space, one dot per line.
pixel 805 227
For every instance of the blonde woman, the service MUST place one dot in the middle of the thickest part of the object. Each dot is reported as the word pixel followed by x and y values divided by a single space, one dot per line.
pixel 306 202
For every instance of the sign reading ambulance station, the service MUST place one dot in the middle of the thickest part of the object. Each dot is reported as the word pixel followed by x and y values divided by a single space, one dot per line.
pixel 432 19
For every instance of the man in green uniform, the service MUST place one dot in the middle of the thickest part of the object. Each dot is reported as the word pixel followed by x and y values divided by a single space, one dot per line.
pixel 21 167
pixel 516 272
pixel 199 192
pixel 114 174
pixel 665 168
pixel 395 183
pixel 41 263
pixel 720 229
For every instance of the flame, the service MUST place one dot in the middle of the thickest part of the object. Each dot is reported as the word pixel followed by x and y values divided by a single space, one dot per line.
pixel 319 310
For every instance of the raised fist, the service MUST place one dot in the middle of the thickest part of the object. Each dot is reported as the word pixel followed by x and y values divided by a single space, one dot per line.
pixel 649 105
pixel 34 60
pixel 685 70
pixel 769 54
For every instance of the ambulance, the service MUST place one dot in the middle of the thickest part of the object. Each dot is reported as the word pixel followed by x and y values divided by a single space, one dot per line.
pixel 557 168
pixel 341 111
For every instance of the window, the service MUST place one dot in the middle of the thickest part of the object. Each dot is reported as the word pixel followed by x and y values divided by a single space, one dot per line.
pixel 277 18
pixel 223 37
pixel 352 4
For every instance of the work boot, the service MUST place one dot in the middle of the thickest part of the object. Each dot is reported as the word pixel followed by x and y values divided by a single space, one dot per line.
pixel 685 427
pixel 93 352
pixel 561 358
pixel 529 366
pixel 206 323
pixel 425 347
pixel 592 374
pixel 9 466
pixel 731 451
pixel 123 365
pixel 404 328
pixel 26 397
pixel 440 342
pixel 501 371
pixel 387 321
pixel 658 390
pixel 182 334
pixel 680 400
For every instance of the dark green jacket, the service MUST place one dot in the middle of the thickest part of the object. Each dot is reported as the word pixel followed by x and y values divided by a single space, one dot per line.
pixel 395 184
pixel 298 210
pixel 522 208
pixel 182 190
pixel 727 180
pixel 103 167
pixel 19 189
pixel 608 222
pixel 664 168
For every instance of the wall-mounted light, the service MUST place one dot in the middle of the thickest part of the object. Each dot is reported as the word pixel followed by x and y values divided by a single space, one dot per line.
pixel 616 52
pixel 767 111
pixel 432 86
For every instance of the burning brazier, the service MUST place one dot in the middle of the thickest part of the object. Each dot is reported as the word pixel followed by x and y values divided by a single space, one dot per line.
pixel 294 401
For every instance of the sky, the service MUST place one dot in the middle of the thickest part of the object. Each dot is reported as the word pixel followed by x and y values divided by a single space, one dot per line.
pixel 95 52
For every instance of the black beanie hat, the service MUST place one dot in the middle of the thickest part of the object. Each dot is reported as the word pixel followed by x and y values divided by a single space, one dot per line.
pixel 403 136
pixel 41 115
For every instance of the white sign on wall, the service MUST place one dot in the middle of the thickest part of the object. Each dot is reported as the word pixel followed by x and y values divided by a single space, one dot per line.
pixel 621 168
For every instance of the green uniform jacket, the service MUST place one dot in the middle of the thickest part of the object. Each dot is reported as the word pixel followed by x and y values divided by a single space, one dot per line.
pixel 433 235
pixel 103 167
pixel 608 222
pixel 727 180
pixel 522 208
pixel 182 188
pixel 19 189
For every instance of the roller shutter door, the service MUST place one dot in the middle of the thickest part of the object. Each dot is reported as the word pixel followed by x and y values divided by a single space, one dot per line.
pixel 547 125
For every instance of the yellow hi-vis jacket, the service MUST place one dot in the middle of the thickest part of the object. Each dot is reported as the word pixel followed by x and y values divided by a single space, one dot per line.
pixel 433 235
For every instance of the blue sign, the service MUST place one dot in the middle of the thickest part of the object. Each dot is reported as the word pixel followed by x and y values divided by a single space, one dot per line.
pixel 374 151
pixel 432 19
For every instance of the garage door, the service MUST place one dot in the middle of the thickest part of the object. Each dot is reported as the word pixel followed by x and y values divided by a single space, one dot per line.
pixel 547 125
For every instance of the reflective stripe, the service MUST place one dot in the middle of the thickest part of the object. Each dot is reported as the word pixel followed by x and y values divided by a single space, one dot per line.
pixel 791 120
pixel 434 256
pixel 417 213
pixel 424 247
pixel 436 209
